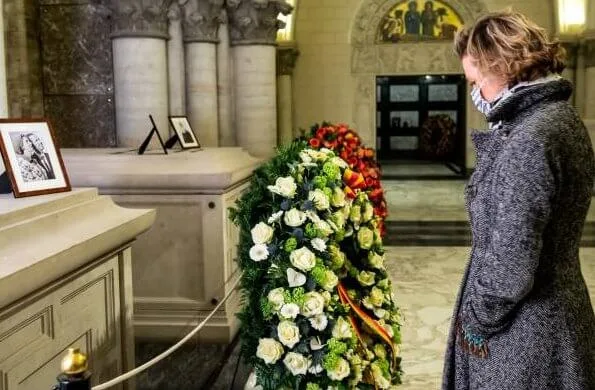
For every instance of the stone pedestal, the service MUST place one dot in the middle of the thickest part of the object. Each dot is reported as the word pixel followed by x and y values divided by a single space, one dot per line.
pixel 140 68
pixel 253 29
pixel 175 63
pixel 227 136
pixel 286 57
pixel 201 25
pixel 66 282
pixel 185 264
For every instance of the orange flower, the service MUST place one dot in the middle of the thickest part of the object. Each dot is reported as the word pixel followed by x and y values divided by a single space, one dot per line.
pixel 353 179
pixel 349 192
pixel 315 143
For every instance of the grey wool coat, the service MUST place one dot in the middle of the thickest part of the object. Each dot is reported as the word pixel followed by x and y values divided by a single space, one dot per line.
pixel 523 318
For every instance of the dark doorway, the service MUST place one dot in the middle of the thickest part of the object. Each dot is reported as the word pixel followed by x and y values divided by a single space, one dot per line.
pixel 422 119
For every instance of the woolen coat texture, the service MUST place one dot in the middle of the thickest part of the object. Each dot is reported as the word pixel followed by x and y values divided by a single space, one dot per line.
pixel 523 294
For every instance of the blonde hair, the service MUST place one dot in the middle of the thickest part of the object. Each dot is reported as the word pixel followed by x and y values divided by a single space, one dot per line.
pixel 508 44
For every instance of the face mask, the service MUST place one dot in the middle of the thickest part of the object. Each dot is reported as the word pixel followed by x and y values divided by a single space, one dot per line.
pixel 480 103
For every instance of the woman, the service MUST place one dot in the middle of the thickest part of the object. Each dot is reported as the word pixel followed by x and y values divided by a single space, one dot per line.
pixel 523 318
pixel 28 161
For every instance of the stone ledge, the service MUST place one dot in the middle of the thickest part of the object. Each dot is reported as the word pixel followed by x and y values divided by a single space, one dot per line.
pixel 44 238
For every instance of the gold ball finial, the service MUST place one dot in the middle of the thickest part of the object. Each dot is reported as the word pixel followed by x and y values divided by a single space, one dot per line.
pixel 75 362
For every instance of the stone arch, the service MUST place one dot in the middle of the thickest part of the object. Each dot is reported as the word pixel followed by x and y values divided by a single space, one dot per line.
pixel 370 58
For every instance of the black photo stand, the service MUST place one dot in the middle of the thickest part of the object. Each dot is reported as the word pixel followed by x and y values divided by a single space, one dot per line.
pixel 5 186
pixel 145 143
pixel 172 141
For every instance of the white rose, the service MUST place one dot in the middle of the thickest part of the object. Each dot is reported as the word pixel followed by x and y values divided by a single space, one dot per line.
pixel 313 304
pixel 365 238
pixel 377 296
pixel 338 198
pixel 379 378
pixel 290 310
pixel 294 278
pixel 366 278
pixel 262 233
pixel 341 371
pixel 284 186
pixel 376 260
pixel 305 157
pixel 294 218
pixel 259 252
pixel 319 198
pixel 380 313
pixel 319 322
pixel 330 280
pixel 276 297
pixel 288 333
pixel 269 350
pixel 339 162
pixel 323 227
pixel 368 213
pixel 316 344
pixel 303 259
pixel 318 244
pixel 327 297
pixel 296 363
pixel 342 329
pixel 275 217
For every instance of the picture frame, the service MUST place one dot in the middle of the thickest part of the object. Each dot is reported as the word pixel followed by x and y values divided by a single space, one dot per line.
pixel 184 132
pixel 31 157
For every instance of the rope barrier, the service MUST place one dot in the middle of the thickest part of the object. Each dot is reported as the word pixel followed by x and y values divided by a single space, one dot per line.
pixel 163 355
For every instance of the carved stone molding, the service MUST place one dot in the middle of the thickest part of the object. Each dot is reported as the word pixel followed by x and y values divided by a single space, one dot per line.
pixel 174 12
pixel 201 20
pixel 254 22
pixel 140 18
pixel 286 59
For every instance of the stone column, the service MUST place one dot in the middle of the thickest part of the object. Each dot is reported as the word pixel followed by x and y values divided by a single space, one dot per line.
pixel 588 52
pixel 226 135
pixel 140 67
pixel 286 57
pixel 570 73
pixel 253 31
pixel 175 62
pixel 3 90
pixel 201 24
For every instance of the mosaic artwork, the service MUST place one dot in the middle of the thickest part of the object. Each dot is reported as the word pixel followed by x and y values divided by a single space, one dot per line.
pixel 415 20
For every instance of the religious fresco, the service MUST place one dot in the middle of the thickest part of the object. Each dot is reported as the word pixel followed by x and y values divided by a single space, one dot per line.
pixel 415 20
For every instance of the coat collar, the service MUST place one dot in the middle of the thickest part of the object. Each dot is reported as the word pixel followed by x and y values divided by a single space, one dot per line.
pixel 525 97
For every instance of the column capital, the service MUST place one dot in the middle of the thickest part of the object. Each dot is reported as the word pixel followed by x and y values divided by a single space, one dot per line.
pixel 254 22
pixel 201 20
pixel 286 59
pixel 140 18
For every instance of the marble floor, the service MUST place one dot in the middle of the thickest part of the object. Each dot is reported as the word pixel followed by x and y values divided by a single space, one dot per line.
pixel 427 249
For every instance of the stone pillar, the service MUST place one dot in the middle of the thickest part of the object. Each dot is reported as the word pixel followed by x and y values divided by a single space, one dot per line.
pixel 3 90
pixel 570 73
pixel 140 68
pixel 201 24
pixel 227 136
pixel 588 52
pixel 175 62
pixel 286 57
pixel 253 32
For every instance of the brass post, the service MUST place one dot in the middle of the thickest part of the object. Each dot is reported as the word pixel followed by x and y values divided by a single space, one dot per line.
pixel 75 374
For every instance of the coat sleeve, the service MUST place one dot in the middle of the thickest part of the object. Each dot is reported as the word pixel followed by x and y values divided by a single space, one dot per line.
pixel 522 196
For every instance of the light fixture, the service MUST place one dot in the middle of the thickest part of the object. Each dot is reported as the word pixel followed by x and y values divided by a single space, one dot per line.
pixel 286 33
pixel 571 16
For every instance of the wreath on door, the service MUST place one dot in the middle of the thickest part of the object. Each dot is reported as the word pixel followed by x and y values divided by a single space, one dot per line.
pixel 437 136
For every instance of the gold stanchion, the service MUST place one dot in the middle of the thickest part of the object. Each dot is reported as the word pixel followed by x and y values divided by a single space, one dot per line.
pixel 75 374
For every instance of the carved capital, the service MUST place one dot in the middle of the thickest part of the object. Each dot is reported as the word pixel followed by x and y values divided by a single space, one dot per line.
pixel 174 12
pixel 201 20
pixel 286 58
pixel 254 22
pixel 140 18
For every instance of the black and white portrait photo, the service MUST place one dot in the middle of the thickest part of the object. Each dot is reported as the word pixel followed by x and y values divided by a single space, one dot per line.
pixel 31 158
pixel 184 132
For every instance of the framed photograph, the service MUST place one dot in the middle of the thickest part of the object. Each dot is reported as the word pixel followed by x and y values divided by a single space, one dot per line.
pixel 31 158
pixel 184 132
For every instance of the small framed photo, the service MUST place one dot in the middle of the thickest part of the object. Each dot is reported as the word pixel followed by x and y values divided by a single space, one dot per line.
pixel 184 132
pixel 31 158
